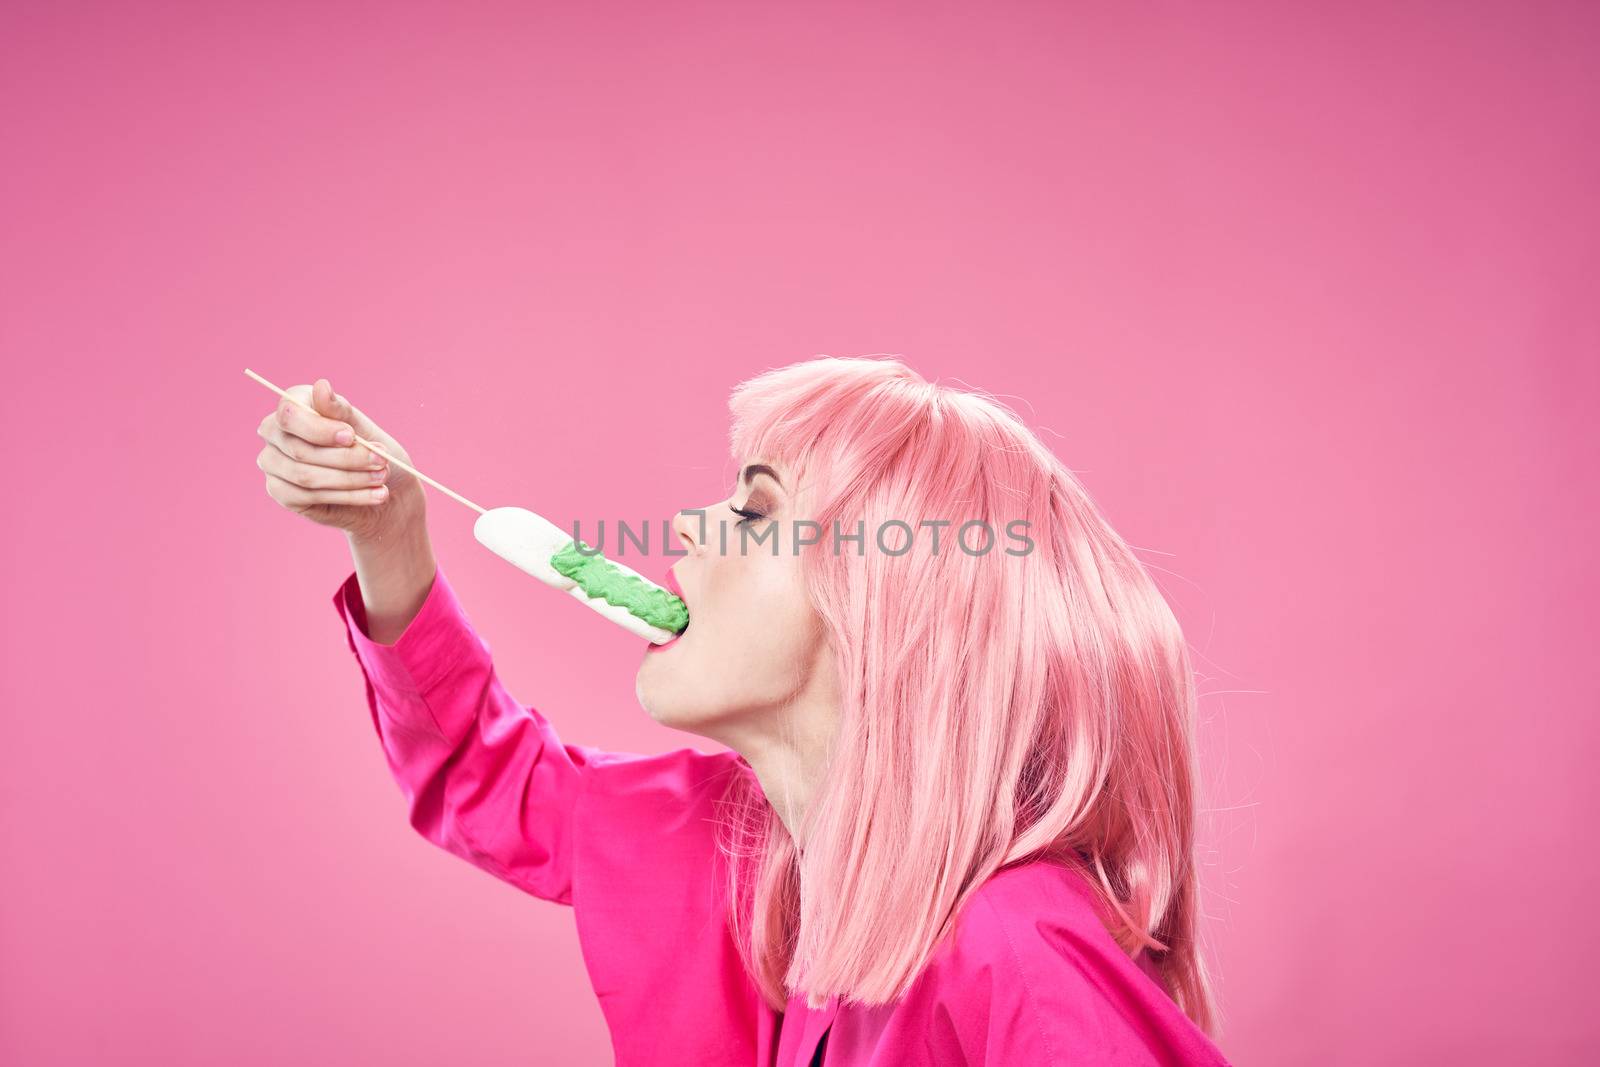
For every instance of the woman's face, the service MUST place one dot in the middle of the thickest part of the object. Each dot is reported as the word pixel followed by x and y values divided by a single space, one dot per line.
pixel 754 646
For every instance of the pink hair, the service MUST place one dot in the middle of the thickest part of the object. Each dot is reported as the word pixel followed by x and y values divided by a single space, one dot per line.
pixel 997 708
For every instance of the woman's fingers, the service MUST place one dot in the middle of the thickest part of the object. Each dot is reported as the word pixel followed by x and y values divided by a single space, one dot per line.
pixel 291 495
pixel 312 465
pixel 312 476
pixel 310 426
pixel 354 457
pixel 334 406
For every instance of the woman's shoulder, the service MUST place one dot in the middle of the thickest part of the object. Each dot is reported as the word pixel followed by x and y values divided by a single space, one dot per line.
pixel 1027 914
pixel 1031 950
pixel 1028 924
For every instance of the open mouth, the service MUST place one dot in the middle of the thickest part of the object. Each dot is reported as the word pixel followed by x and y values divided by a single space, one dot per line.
pixel 677 591
pixel 654 647
pixel 671 583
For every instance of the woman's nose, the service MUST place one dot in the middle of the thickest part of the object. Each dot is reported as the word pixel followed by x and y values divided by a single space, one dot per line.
pixel 687 526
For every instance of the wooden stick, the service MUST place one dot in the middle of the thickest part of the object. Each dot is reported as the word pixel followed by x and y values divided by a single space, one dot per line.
pixel 369 444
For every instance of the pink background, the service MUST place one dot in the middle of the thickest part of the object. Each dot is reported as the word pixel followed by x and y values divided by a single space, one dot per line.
pixel 1307 297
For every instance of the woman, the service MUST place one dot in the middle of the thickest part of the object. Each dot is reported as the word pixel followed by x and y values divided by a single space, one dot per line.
pixel 954 824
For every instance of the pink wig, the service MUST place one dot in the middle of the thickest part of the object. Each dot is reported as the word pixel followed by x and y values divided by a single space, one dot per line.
pixel 996 708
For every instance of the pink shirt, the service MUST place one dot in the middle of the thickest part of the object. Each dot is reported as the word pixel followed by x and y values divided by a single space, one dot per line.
pixel 1031 976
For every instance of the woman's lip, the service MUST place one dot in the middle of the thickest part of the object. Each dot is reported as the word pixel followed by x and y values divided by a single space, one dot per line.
pixel 672 584
pixel 656 647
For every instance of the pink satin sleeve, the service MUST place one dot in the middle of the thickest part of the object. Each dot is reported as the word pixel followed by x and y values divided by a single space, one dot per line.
pixel 484 776
pixel 627 840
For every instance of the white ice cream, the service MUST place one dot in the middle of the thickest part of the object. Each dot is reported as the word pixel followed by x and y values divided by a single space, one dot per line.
pixel 527 540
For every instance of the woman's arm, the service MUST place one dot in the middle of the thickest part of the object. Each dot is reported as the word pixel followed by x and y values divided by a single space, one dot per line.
pixel 487 779
pixel 484 777
pixel 395 570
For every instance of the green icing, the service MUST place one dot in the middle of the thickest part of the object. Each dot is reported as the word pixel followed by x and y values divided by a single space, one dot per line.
pixel 599 578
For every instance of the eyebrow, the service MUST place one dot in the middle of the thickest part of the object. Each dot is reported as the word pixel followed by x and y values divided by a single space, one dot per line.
pixel 761 468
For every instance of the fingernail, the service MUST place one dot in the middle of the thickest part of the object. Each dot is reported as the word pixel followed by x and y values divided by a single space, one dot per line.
pixel 380 492
pixel 345 437
pixel 377 475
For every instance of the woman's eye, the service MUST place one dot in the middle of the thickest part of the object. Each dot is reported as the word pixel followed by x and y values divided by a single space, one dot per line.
pixel 747 515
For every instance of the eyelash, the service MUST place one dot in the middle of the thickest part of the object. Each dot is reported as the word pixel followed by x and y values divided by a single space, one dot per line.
pixel 748 515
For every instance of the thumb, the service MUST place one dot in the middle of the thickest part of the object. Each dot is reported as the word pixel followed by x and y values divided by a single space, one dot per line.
pixel 342 409
pixel 325 400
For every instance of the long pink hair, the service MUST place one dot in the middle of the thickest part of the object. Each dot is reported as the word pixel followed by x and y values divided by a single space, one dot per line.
pixel 997 707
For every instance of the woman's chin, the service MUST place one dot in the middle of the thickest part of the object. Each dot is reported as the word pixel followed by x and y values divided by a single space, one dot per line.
pixel 670 717
pixel 670 709
pixel 655 697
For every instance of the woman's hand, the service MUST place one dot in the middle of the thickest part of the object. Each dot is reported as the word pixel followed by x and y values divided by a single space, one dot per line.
pixel 315 469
